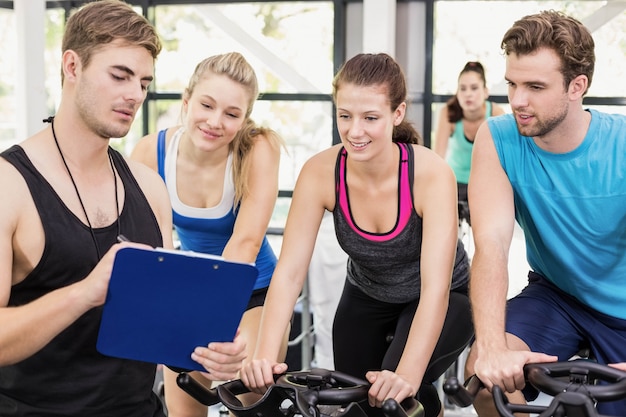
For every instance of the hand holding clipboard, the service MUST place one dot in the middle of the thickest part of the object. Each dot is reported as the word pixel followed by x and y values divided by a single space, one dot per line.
pixel 164 303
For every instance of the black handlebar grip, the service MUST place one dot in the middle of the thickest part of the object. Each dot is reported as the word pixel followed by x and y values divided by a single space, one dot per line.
pixel 410 407
pixel 462 395
pixel 196 390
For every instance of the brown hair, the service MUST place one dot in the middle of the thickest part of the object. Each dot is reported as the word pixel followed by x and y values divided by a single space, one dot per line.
pixel 234 66
pixel 455 111
pixel 101 22
pixel 566 36
pixel 379 69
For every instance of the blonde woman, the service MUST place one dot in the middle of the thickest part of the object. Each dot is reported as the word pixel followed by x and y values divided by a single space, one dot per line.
pixel 221 172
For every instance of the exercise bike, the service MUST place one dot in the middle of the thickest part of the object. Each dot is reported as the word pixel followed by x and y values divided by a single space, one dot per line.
pixel 576 387
pixel 314 393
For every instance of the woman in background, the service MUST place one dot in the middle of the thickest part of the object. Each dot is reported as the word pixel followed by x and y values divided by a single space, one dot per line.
pixel 458 122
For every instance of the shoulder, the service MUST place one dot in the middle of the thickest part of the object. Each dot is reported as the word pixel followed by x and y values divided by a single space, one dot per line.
pixel 428 159
pixel 13 184
pixel 445 128
pixel 145 176
pixel 495 129
pixel 502 121
pixel 267 141
pixel 151 184
pixel 324 158
pixel 430 170
pixel 153 188
pixel 496 109
pixel 145 151
pixel 17 213
pixel 609 126
pixel 36 150
pixel 613 119
pixel 320 166
pixel 443 113
pixel 316 181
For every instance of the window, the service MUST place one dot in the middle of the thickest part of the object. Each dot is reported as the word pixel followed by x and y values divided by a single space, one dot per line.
pixel 7 78
pixel 290 46
pixel 461 36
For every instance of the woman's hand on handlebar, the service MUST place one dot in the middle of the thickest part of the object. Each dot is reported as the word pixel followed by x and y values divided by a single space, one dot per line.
pixel 387 384
pixel 223 360
pixel 258 374
pixel 505 368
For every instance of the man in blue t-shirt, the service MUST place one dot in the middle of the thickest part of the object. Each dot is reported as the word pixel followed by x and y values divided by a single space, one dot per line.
pixel 559 170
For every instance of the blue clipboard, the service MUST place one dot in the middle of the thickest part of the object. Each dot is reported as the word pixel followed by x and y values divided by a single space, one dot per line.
pixel 161 304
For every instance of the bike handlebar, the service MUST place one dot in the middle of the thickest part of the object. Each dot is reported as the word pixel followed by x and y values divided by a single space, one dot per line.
pixel 571 383
pixel 306 390
pixel 545 376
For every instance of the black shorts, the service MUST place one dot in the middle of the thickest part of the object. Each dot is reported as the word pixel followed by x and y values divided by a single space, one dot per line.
pixel 257 299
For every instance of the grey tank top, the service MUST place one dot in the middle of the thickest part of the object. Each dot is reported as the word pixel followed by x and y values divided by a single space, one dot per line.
pixel 386 266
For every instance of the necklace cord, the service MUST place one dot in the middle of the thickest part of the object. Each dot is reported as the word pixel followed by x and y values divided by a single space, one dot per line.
pixel 80 200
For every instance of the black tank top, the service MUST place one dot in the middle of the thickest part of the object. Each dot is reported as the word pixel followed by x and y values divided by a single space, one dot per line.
pixel 68 377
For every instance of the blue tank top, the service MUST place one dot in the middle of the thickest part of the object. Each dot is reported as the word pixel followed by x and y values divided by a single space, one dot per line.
pixel 207 230
pixel 572 208
pixel 386 266
pixel 459 155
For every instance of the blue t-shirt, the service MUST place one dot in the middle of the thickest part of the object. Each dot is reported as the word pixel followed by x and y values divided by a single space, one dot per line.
pixel 572 208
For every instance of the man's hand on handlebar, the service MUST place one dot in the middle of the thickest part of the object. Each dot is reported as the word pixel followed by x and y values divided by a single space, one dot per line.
pixel 578 387
pixel 505 368
pixel 387 384
pixel 258 374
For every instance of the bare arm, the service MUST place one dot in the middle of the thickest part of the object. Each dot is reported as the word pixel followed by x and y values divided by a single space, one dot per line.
pixel 256 208
pixel 442 135
pixel 313 193
pixel 491 202
pixel 493 220
pixel 437 201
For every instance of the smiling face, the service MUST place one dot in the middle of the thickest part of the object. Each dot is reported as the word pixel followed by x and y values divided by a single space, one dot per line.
pixel 215 111
pixel 111 88
pixel 536 92
pixel 365 120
